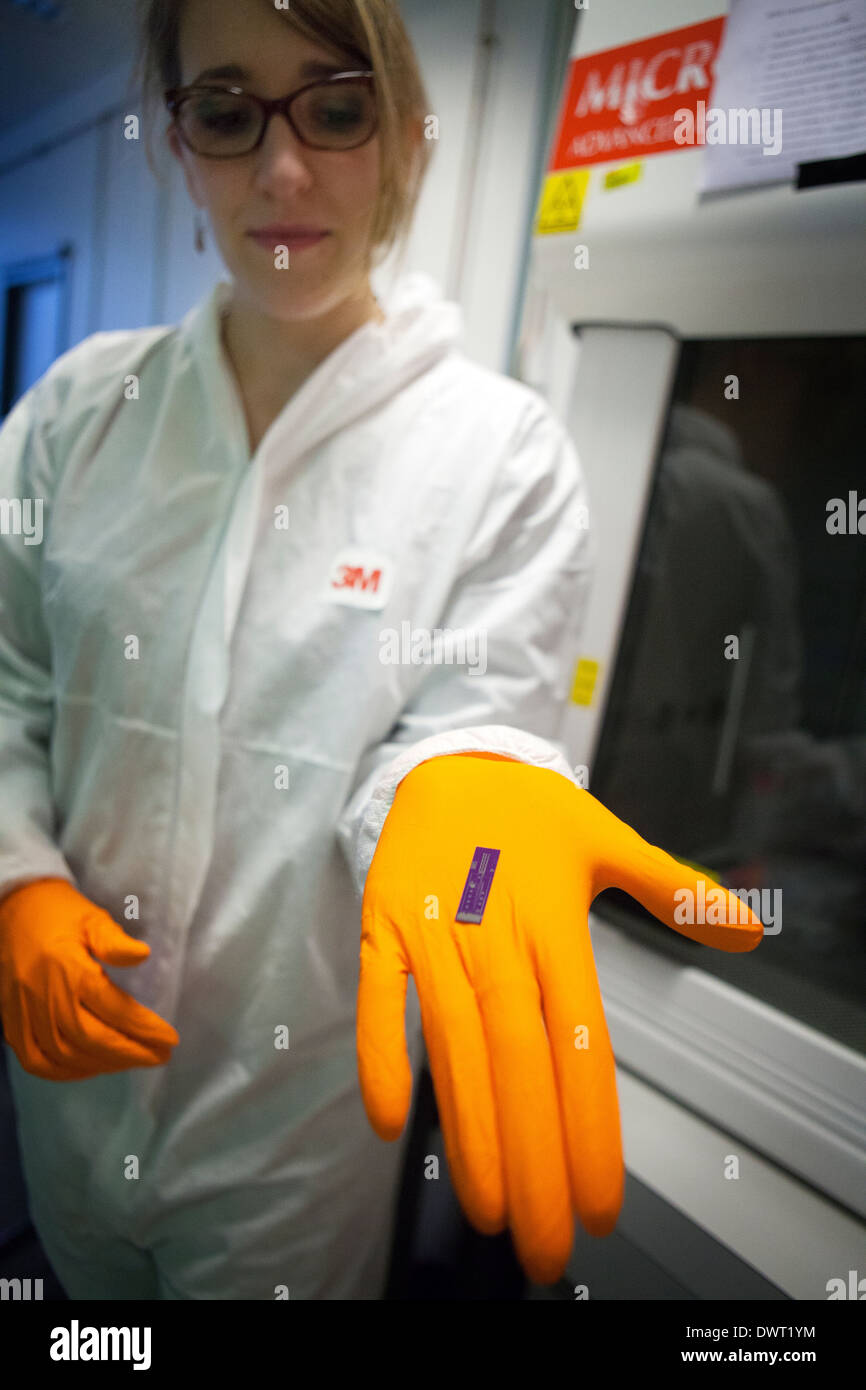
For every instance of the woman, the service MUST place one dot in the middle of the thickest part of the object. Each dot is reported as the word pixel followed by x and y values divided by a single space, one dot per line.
pixel 205 724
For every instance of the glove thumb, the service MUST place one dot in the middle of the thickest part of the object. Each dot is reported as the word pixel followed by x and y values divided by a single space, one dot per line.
pixel 384 1069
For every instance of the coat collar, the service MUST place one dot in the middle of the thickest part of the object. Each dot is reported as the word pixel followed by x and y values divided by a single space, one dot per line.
pixel 368 367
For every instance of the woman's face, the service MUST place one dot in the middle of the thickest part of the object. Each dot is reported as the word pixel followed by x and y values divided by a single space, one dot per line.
pixel 281 182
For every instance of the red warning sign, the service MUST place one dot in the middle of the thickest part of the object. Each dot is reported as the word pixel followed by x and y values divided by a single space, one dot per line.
pixel 623 101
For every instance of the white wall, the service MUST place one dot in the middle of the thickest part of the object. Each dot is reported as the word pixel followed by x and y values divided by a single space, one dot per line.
pixel 69 175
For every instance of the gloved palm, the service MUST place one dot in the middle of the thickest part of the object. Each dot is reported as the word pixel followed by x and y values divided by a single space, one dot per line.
pixel 511 1009
pixel 62 1016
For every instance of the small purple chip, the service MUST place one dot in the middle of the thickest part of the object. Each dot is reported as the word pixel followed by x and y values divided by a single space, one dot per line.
pixel 477 886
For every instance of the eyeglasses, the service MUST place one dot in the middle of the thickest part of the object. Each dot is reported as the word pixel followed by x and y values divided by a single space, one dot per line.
pixel 337 113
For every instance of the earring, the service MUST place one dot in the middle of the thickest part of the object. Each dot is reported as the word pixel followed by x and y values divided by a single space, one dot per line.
pixel 199 230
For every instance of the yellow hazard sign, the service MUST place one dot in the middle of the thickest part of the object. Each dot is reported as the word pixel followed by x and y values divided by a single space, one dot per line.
pixel 561 202
pixel 585 677
pixel 626 173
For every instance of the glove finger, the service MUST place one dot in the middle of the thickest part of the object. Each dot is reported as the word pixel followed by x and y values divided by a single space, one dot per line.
pixel 21 1035
pixel 93 1040
pixel 585 1071
pixel 89 1040
pixel 122 1013
pixel 75 1055
pixel 384 1069
pixel 36 1063
pixel 530 1126
pixel 460 1067
pixel 109 942
pixel 624 860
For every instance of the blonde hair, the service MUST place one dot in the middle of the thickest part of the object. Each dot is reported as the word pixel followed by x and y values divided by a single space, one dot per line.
pixel 369 34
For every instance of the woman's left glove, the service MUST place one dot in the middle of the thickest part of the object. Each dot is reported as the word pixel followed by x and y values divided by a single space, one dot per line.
pixel 513 1021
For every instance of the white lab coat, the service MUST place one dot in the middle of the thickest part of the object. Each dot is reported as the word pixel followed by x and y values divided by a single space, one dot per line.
pixel 197 728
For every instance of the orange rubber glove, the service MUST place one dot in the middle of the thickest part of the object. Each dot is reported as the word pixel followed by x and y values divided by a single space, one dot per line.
pixel 530 1119
pixel 62 1016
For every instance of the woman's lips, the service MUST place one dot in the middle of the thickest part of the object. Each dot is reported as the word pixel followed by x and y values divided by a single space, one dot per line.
pixel 295 241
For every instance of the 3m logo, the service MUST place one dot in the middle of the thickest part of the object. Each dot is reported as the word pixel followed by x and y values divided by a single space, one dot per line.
pixel 356 577
pixel 359 578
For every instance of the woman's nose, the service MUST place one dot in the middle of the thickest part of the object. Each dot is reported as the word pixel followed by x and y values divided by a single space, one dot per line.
pixel 281 155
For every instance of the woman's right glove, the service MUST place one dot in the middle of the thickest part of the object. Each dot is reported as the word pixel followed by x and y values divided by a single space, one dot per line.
pixel 62 1016
pixel 513 1018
